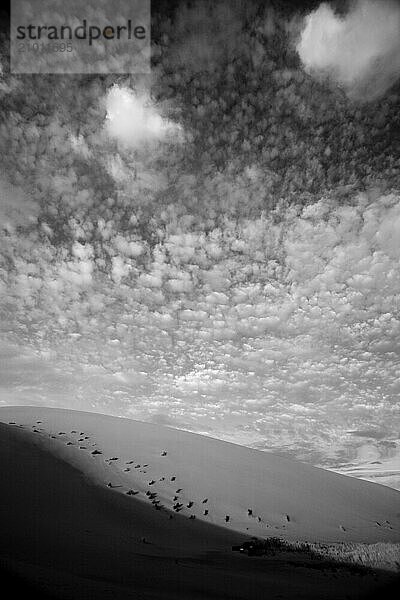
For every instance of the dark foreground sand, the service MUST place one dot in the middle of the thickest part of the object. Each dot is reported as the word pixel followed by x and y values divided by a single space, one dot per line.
pixel 69 535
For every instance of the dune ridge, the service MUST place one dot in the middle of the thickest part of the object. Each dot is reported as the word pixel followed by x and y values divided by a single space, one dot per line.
pixel 243 490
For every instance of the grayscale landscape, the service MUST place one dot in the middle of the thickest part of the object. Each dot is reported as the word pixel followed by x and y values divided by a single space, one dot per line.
pixel 199 299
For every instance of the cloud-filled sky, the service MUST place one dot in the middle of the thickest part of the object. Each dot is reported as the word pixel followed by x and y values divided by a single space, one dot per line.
pixel 164 257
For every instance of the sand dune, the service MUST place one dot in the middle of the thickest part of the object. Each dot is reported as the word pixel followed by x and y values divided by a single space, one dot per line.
pixel 147 508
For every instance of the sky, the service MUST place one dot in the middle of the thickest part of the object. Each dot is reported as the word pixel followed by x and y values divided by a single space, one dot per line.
pixel 256 302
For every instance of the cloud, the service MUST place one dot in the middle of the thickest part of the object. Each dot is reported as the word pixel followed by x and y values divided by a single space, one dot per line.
pixel 16 207
pixel 134 120
pixel 360 51
pixel 281 328
pixel 376 434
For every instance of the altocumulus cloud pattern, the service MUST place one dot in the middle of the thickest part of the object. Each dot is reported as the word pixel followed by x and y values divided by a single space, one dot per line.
pixel 214 246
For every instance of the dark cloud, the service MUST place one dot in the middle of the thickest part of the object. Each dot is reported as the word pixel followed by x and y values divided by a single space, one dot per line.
pixel 370 433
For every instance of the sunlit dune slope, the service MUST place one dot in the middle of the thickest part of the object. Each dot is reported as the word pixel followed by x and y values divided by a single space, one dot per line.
pixel 174 484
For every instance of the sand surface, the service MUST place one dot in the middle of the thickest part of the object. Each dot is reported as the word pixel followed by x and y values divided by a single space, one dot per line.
pixel 64 527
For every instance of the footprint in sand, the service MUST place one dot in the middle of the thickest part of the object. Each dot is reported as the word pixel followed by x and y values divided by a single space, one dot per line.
pixel 192 517
pixel 173 478
pixel 206 512
pixel 164 453
pixel 82 448
pixel 62 433
pixel 205 501
pixel 69 444
pixel 126 470
pixel 178 490
pixel 131 493
pixel 152 482
pixel 96 452
pixel 129 462
pixel 11 422
pixel 73 431
pixel 342 528
pixel 190 504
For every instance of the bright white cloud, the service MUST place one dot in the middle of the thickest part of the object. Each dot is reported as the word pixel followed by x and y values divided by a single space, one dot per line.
pixel 360 51
pixel 134 120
